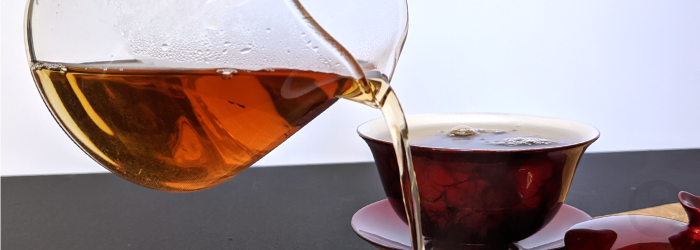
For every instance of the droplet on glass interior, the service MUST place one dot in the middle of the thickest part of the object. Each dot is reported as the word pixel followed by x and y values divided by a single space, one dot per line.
pixel 165 47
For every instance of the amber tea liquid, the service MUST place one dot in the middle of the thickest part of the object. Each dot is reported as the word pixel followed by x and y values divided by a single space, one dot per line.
pixel 183 130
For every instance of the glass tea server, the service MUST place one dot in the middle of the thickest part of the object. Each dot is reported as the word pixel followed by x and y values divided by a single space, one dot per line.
pixel 181 95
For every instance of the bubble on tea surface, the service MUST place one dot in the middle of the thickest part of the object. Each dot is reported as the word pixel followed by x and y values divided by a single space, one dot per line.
pixel 227 73
pixel 489 131
pixel 522 141
pixel 50 66
pixel 464 130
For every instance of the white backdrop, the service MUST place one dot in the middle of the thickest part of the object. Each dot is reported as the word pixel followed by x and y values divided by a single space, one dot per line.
pixel 630 68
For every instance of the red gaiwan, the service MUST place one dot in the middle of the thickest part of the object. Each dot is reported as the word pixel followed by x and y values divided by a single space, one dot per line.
pixel 639 232
pixel 482 199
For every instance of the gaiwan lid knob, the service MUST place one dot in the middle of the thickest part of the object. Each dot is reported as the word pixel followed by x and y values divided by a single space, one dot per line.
pixel 639 232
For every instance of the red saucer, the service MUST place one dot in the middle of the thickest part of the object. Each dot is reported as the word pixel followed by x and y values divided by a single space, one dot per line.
pixel 378 224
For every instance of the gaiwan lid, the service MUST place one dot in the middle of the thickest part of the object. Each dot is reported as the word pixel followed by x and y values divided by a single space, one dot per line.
pixel 639 232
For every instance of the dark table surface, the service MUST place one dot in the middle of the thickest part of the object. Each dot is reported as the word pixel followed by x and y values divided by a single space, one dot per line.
pixel 301 207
